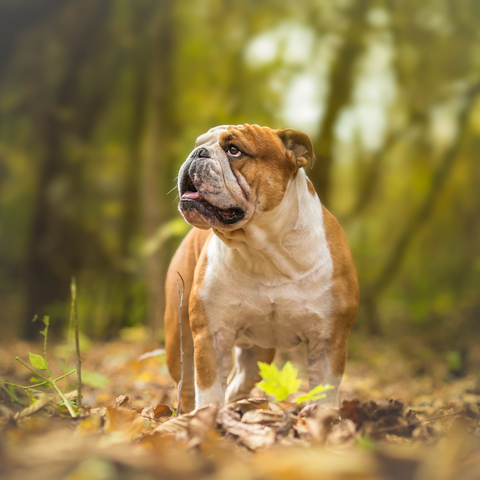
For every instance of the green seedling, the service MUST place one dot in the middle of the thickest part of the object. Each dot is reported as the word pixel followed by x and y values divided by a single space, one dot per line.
pixel 279 383
pixel 314 394
pixel 39 362
pixel 283 383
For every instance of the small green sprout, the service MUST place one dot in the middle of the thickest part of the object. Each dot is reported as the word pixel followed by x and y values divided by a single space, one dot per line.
pixel 41 363
pixel 283 383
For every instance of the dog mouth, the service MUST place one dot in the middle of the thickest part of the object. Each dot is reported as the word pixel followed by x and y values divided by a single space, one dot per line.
pixel 191 199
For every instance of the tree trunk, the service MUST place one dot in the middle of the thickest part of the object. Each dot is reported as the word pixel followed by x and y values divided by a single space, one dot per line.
pixel 160 130
pixel 341 82
pixel 51 258
pixel 419 218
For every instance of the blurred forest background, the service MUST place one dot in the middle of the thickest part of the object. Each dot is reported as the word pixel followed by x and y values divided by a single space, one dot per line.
pixel 101 102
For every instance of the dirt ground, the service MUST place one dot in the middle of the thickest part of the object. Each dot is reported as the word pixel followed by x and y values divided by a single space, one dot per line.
pixel 397 420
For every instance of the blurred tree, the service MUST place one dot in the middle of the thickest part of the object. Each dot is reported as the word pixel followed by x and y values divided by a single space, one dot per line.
pixel 55 241
pixel 341 84
pixel 161 128
pixel 16 17
pixel 100 103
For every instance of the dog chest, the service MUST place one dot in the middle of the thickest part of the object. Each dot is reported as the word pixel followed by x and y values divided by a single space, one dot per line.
pixel 279 316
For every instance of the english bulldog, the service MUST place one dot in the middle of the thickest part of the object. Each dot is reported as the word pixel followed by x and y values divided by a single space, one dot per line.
pixel 266 266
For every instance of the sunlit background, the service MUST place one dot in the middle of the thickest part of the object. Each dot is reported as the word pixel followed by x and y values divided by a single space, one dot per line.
pixel 101 102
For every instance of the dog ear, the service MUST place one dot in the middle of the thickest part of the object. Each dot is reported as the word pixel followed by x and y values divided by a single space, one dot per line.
pixel 300 144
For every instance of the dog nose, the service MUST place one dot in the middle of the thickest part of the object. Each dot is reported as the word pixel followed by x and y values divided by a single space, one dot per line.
pixel 203 153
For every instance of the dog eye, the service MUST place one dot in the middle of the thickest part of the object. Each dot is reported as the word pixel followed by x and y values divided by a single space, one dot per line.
pixel 234 151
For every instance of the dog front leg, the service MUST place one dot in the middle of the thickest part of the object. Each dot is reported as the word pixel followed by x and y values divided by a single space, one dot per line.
pixel 325 365
pixel 246 370
pixel 212 358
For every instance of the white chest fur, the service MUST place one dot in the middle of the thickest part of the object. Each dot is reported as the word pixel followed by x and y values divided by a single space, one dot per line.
pixel 269 285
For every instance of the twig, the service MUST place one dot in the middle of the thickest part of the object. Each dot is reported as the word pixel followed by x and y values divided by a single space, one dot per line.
pixel 45 335
pixel 389 429
pixel 77 343
pixel 180 302
pixel 28 387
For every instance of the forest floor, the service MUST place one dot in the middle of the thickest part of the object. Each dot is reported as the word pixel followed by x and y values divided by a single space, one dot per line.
pixel 397 420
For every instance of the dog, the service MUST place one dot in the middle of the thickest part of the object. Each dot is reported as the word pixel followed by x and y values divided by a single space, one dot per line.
pixel 266 266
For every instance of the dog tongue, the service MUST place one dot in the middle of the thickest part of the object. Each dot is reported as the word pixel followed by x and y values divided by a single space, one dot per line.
pixel 191 195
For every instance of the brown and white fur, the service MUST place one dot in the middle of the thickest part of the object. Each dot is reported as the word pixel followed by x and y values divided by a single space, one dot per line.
pixel 266 267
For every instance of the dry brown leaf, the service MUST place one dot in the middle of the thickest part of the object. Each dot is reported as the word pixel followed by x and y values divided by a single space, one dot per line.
pixel 42 400
pixel 314 463
pixel 251 404
pixel 252 436
pixel 147 411
pixel 280 421
pixel 202 425
pixel 157 413
pixel 26 452
pixel 189 425
pixel 100 412
pixel 378 418
pixel 302 428
pixel 123 421
pixel 264 417
pixel 343 435
pixel 89 425
pixel 124 402
pixel 320 423
pixel 162 411
pixel 174 425
pixel 72 396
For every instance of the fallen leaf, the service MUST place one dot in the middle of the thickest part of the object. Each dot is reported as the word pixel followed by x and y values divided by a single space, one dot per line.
pixel 72 396
pixel 42 400
pixel 263 417
pixel 124 402
pixel 174 425
pixel 162 411
pixel 343 435
pixel 281 421
pixel 123 421
pixel 378 418
pixel 252 436
pixel 89 425
pixel 202 425
pixel 320 423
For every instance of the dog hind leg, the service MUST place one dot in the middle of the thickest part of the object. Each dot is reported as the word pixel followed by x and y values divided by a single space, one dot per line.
pixel 183 262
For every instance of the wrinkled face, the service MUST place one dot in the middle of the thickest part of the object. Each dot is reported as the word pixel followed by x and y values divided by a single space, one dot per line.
pixel 235 171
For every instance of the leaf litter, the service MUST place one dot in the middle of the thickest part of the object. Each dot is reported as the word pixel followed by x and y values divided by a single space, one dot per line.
pixel 429 431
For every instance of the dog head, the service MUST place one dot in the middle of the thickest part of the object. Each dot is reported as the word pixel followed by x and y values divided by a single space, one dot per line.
pixel 237 171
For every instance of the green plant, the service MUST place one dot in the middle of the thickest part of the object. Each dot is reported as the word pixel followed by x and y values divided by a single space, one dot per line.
pixel 454 360
pixel 283 383
pixel 39 362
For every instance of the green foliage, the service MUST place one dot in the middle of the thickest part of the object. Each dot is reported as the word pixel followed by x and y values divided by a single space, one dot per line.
pixel 367 443
pixel 454 360
pixel 37 361
pixel 173 228
pixel 94 379
pixel 283 383
pixel 41 363
pixel 279 383
pixel 314 394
